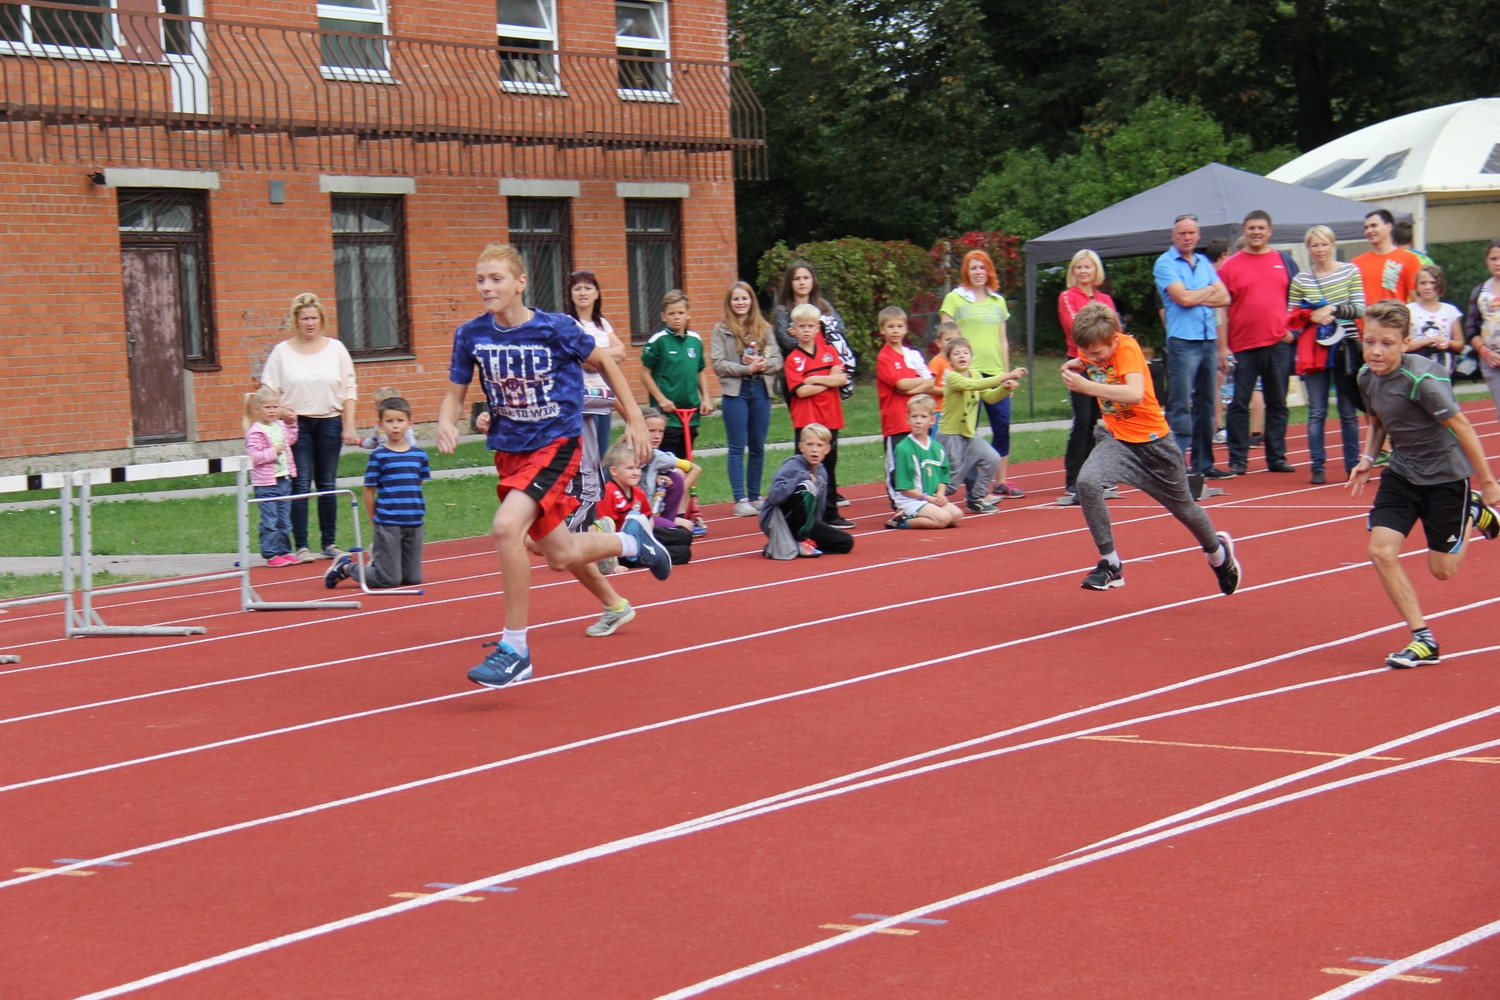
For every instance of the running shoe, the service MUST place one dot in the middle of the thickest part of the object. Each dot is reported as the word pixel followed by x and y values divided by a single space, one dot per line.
pixel 304 555
pixel 650 554
pixel 285 559
pixel 700 527
pixel 338 571
pixel 1112 493
pixel 1228 571
pixel 332 552
pixel 899 521
pixel 980 507
pixel 1068 499
pixel 1104 577
pixel 1009 489
pixel 503 666
pixel 743 508
pixel 807 550
pixel 1483 517
pixel 839 500
pixel 610 620
pixel 1418 653
pixel 837 521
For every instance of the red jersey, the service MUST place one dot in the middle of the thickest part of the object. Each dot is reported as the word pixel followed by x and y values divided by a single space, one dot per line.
pixel 892 365
pixel 1257 284
pixel 616 503
pixel 821 407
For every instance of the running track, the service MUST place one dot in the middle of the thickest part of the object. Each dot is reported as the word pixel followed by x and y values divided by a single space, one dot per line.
pixel 935 768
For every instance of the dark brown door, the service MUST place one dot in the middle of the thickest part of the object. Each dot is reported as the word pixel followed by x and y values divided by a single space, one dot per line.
pixel 153 337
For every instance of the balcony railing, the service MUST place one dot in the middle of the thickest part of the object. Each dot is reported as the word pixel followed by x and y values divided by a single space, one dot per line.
pixel 89 85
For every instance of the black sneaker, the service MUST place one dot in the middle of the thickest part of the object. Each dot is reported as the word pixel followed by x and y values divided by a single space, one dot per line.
pixel 1237 469
pixel 1228 571
pixel 981 507
pixel 839 522
pixel 1418 653
pixel 899 521
pixel 1104 577
pixel 1483 516
pixel 338 571
pixel 1214 472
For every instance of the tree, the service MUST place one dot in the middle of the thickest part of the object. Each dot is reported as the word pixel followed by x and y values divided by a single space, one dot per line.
pixel 878 113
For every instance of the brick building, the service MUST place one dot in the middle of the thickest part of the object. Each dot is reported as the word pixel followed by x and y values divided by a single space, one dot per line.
pixel 171 180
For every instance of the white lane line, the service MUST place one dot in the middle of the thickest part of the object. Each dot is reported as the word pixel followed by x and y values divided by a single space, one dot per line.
pixel 827 944
pixel 1396 968
pixel 641 840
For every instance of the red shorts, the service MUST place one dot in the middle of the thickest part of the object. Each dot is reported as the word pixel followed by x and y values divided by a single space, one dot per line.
pixel 544 476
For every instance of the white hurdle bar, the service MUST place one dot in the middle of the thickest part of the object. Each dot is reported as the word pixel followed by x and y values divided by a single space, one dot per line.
pixel 249 600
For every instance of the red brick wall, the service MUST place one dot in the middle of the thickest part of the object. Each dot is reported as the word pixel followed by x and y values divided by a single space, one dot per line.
pixel 63 342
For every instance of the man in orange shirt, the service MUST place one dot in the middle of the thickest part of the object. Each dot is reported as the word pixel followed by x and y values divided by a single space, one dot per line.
pixel 1140 449
pixel 1387 271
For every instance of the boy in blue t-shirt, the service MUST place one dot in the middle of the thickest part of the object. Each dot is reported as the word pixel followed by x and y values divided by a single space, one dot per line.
pixel 393 496
pixel 530 365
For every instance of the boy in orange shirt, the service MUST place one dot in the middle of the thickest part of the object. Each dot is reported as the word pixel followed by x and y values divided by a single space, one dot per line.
pixel 1139 450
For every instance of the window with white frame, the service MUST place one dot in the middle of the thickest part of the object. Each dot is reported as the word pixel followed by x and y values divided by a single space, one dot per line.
pixel 641 42
pixel 526 31
pixel 358 51
pixel 58 32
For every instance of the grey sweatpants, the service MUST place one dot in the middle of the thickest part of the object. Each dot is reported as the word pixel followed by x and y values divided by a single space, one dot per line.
pixel 1156 469
pixel 972 462
pixel 397 559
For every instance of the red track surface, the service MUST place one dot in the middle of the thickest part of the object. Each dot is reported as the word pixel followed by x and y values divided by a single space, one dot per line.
pixel 728 795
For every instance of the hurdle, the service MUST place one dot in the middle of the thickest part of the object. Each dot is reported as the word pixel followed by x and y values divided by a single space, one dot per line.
pixel 356 552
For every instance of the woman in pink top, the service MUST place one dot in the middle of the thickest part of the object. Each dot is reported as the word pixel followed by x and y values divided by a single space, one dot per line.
pixel 314 376
pixel 1085 274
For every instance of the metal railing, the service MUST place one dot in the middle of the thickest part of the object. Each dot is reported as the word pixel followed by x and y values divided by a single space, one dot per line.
pixel 96 86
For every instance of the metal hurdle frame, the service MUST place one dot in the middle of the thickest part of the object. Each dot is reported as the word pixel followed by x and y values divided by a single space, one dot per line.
pixel 356 552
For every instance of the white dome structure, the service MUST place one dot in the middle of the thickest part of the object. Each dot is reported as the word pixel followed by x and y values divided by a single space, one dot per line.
pixel 1442 165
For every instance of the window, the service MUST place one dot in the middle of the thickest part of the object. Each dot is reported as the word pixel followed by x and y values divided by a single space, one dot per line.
pixel 1386 169
pixel 530 25
pixel 1326 177
pixel 652 251
pixel 361 53
pixel 541 229
pixel 641 42
pixel 178 221
pixel 88 27
pixel 369 275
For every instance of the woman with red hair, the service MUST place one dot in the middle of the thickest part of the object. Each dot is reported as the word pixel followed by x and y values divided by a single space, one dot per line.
pixel 979 309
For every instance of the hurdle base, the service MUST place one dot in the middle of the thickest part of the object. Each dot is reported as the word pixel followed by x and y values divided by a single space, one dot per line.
pixel 297 605
pixel 134 630
pixel 8 658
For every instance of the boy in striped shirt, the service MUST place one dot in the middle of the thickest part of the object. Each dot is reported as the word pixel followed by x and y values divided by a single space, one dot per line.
pixel 393 496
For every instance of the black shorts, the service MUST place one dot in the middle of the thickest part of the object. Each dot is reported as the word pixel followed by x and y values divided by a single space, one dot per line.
pixel 1400 504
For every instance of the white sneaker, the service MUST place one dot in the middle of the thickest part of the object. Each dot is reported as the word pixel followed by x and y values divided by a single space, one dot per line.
pixel 744 508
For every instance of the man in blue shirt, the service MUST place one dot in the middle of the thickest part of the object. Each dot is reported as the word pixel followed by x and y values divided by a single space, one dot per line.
pixel 1190 291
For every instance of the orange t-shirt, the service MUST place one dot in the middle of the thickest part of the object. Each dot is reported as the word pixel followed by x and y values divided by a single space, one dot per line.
pixel 939 368
pixel 1134 424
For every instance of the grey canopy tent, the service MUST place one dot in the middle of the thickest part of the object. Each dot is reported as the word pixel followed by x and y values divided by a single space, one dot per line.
pixel 1219 196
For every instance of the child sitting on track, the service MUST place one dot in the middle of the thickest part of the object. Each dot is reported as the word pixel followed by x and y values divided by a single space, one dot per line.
pixel 531 367
pixel 623 494
pixel 1434 450
pixel 668 478
pixel 1134 446
pixel 393 498
pixel 920 474
pixel 792 514
pixel 270 432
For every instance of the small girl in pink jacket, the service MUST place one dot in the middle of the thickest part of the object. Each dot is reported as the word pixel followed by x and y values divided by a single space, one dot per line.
pixel 270 432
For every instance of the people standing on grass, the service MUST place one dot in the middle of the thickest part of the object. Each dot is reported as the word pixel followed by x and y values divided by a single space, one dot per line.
pixel 530 365
pixel 270 432
pixel 1482 322
pixel 1434 452
pixel 814 377
pixel 1330 296
pixel 1085 275
pixel 586 304
pixel 1134 446
pixel 1388 272
pixel 314 377
pixel 979 309
pixel 900 376
pixel 747 360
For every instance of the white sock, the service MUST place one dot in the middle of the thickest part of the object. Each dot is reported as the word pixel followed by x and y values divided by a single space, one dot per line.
pixel 1113 558
pixel 1217 556
pixel 629 547
pixel 515 639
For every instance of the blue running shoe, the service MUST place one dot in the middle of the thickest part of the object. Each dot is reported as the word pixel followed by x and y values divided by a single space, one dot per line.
pixel 503 666
pixel 338 571
pixel 651 555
